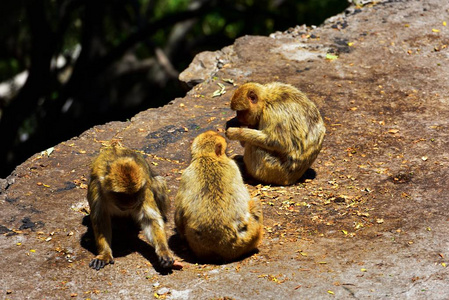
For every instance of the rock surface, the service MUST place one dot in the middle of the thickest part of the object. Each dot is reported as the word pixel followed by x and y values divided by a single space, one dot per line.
pixel 372 223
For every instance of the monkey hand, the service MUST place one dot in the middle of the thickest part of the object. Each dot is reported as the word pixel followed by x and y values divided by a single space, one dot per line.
pixel 99 262
pixel 233 133
pixel 166 261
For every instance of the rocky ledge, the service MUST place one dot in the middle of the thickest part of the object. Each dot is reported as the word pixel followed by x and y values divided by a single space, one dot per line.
pixel 373 222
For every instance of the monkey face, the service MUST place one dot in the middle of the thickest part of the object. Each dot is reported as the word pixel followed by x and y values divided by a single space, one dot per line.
pixel 248 118
pixel 248 101
pixel 125 201
pixel 242 117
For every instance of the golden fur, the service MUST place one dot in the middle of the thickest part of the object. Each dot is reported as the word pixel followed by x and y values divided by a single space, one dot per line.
pixel 213 209
pixel 285 131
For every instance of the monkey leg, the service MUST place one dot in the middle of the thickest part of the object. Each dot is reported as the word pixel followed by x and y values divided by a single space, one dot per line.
pixel 180 222
pixel 263 166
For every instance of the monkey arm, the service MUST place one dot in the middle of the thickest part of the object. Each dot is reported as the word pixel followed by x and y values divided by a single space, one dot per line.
pixel 101 225
pixel 152 225
pixel 255 137
pixel 160 192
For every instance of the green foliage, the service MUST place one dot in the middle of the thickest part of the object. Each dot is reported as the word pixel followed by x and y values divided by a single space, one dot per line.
pixel 117 72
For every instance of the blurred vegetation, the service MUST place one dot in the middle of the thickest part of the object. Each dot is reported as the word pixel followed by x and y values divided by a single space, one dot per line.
pixel 66 65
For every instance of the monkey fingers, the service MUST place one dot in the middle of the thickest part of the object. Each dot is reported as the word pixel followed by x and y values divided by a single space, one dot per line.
pixel 98 264
pixel 166 261
pixel 233 133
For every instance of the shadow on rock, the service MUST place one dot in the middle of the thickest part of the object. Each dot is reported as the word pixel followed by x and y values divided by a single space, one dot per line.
pixel 181 249
pixel 310 174
pixel 125 240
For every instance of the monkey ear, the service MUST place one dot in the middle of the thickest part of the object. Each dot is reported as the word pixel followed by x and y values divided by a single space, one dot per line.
pixel 252 96
pixel 219 149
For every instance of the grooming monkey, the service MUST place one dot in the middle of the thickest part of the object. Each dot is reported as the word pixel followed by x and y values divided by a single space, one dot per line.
pixel 213 209
pixel 122 184
pixel 285 131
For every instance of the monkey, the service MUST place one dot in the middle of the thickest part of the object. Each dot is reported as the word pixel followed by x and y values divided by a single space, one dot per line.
pixel 122 184
pixel 214 212
pixel 284 131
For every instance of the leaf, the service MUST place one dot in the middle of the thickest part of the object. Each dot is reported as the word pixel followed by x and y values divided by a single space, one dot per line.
pixel 363 270
pixel 330 292
pixel 47 152
pixel 330 56
pixel 216 93
pixel 393 131
pixel 221 91
pixel 177 265
pixel 344 232
pixel 435 30
pixel 229 80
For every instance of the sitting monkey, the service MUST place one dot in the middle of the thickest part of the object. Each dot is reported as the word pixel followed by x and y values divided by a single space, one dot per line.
pixel 213 209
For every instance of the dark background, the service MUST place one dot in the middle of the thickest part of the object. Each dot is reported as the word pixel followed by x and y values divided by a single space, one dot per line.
pixel 93 61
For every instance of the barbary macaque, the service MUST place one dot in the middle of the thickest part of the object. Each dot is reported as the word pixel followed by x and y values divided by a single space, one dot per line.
pixel 122 184
pixel 214 212
pixel 284 131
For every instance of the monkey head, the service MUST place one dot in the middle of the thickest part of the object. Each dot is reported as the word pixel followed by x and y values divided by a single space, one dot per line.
pixel 248 101
pixel 125 183
pixel 209 142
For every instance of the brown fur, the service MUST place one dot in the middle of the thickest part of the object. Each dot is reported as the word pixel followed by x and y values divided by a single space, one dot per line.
pixel 213 209
pixel 285 131
pixel 122 184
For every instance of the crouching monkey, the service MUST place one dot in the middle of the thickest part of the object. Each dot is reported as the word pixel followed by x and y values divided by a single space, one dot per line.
pixel 122 184
pixel 284 131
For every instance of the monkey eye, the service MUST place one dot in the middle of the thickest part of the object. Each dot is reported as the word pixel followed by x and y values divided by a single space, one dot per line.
pixel 252 97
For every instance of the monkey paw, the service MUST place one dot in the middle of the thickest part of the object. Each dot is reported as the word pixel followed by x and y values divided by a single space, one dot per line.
pixel 98 263
pixel 166 261
pixel 231 133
